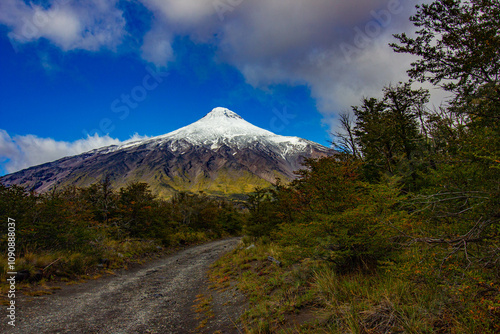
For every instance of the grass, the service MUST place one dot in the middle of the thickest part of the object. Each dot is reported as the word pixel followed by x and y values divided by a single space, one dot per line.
pixel 360 303
pixel 307 296
pixel 274 292
pixel 204 311
pixel 37 293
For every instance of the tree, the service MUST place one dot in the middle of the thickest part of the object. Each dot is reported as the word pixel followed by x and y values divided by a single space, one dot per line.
pixel 136 203
pixel 202 212
pixel 458 43
pixel 229 219
pixel 346 139
pixel 388 132
pixel 328 185
pixel 103 200
pixel 263 218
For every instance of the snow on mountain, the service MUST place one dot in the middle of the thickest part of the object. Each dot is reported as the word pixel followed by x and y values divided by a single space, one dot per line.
pixel 220 153
pixel 221 127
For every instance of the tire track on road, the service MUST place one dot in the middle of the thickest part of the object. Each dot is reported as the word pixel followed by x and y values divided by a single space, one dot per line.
pixel 156 298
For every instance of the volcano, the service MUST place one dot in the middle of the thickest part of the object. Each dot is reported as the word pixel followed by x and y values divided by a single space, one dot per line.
pixel 219 154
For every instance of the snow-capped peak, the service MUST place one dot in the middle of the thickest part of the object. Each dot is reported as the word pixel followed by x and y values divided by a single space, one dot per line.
pixel 220 123
pixel 221 112
pixel 219 151
pixel 221 127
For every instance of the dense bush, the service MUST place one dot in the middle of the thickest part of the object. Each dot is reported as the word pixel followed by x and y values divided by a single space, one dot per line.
pixel 79 227
pixel 414 195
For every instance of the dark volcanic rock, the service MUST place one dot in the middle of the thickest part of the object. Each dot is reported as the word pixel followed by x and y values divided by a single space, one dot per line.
pixel 220 153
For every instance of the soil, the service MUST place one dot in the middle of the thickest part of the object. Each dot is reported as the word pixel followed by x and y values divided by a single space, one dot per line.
pixel 157 297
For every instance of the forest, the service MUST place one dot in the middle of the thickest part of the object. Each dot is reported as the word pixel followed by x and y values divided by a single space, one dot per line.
pixel 398 233
pixel 72 232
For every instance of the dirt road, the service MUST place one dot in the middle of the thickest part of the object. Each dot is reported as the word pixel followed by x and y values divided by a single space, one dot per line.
pixel 156 298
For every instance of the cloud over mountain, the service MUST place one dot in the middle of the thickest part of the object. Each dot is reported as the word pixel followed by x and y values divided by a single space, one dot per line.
pixel 29 150
pixel 220 153
pixel 338 48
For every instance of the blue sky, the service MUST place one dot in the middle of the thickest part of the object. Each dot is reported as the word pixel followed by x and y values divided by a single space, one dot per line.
pixel 76 75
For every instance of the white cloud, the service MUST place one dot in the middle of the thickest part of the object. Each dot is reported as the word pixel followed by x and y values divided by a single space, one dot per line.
pixel 185 12
pixel 86 25
pixel 338 48
pixel 301 42
pixel 296 42
pixel 157 47
pixel 21 152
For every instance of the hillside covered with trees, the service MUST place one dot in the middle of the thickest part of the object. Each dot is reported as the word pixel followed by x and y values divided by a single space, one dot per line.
pixel 400 232
pixel 75 233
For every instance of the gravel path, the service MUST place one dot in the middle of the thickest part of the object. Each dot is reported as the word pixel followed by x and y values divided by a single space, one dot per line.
pixel 155 298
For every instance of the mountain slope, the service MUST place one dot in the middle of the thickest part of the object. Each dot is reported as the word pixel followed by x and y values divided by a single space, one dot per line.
pixel 220 153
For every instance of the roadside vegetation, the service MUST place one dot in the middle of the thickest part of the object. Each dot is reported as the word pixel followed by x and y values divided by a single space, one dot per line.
pixel 399 233
pixel 79 233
